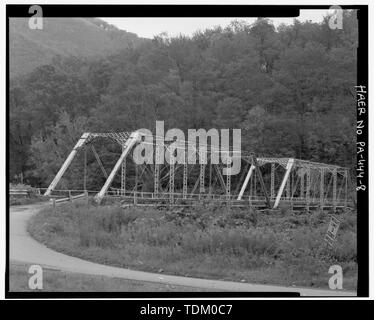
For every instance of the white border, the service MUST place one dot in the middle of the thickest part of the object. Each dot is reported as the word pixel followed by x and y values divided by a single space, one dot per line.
pixel 253 2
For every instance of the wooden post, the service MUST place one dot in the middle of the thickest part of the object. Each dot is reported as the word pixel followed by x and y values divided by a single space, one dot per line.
pixel 135 199
pixel 71 201
pixel 86 197
pixel 54 205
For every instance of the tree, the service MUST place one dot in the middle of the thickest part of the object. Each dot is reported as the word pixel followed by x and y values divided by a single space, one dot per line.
pixel 47 154
pixel 290 90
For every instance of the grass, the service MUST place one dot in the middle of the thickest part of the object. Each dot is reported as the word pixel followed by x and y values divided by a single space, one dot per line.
pixel 281 248
pixel 59 281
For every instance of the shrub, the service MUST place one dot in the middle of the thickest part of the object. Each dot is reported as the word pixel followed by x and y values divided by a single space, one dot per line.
pixel 236 241
pixel 346 247
pixel 303 241
pixel 284 209
pixel 348 221
pixel 201 241
pixel 55 226
pixel 104 239
pixel 318 217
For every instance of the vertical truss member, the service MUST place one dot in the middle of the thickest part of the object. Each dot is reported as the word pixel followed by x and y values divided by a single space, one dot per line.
pixel 334 183
pixel 123 176
pixel 272 180
pixel 308 181
pixel 322 188
pixel 346 175
pixel 210 177
pixel 288 188
pixel 302 192
pixel 262 184
pixel 185 175
pixel 136 184
pixel 228 183
pixel 85 169
pixel 171 180
pixel 157 172
pixel 202 159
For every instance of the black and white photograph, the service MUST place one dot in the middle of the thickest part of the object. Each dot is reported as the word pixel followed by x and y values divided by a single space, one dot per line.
pixel 186 151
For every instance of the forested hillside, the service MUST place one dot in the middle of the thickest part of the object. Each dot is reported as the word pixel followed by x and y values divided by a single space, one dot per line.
pixel 290 90
pixel 82 37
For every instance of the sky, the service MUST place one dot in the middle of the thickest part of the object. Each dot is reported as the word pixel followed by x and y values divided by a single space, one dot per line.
pixel 149 27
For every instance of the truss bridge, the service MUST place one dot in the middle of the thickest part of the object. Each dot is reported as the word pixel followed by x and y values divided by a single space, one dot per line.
pixel 263 182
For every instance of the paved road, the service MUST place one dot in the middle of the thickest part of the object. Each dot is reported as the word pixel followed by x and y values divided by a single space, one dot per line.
pixel 25 249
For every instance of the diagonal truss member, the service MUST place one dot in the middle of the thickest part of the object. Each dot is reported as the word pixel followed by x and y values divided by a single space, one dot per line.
pixel 67 162
pixel 134 138
pixel 254 167
pixel 125 139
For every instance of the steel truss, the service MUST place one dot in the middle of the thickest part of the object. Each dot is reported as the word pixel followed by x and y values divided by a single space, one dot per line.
pixel 263 181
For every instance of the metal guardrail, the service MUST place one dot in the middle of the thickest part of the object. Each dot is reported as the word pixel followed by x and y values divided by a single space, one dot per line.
pixel 69 199
pixel 36 191
pixel 18 192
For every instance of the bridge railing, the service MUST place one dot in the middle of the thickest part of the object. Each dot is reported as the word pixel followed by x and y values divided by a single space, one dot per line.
pixel 18 192
pixel 71 198
pixel 64 195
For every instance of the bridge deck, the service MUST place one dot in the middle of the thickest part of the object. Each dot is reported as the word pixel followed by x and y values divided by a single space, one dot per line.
pixel 149 198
